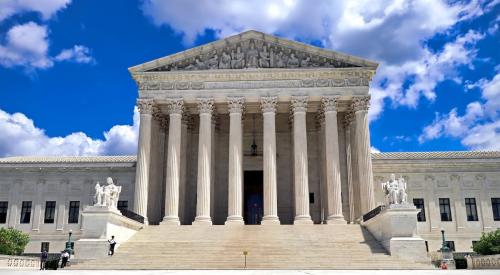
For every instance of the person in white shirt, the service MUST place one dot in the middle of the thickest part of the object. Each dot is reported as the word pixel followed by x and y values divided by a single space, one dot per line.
pixel 112 244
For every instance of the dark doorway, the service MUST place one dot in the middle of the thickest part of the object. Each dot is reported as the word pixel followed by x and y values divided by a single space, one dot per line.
pixel 253 196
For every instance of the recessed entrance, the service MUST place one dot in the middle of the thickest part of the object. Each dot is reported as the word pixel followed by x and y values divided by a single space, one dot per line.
pixel 253 196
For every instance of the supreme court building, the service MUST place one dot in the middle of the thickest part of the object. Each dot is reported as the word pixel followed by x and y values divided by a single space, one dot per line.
pixel 255 130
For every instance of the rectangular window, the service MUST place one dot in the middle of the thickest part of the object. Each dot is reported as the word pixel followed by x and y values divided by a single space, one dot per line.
pixel 74 211
pixel 471 209
pixel 444 208
pixel 50 212
pixel 450 245
pixel 122 205
pixel 495 204
pixel 45 247
pixel 25 212
pixel 4 206
pixel 419 203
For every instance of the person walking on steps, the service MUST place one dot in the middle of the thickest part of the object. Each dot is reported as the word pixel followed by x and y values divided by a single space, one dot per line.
pixel 112 244
pixel 65 258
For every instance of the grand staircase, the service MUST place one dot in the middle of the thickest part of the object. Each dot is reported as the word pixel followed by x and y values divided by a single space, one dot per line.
pixel 268 247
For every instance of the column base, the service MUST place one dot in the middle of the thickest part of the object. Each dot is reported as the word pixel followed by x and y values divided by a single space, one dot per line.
pixel 234 220
pixel 170 220
pixel 270 220
pixel 203 220
pixel 336 220
pixel 303 219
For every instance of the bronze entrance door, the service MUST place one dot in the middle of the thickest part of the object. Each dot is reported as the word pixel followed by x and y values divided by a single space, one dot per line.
pixel 253 196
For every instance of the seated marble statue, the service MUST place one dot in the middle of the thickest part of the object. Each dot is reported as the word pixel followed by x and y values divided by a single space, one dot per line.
pixel 391 190
pixel 107 195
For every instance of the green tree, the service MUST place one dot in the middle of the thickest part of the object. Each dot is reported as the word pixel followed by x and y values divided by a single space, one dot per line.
pixel 489 244
pixel 12 241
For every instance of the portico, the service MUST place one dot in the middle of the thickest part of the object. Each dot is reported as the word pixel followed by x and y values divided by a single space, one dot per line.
pixel 254 102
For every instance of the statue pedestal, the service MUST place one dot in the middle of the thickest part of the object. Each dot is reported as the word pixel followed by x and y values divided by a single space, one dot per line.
pixel 99 223
pixel 395 228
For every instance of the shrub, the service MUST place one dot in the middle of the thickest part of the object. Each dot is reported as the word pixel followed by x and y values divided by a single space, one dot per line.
pixel 489 244
pixel 12 241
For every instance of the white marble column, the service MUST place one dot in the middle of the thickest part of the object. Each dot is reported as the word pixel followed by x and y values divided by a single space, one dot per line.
pixel 143 158
pixel 360 106
pixel 175 109
pixel 205 107
pixel 268 106
pixel 301 181
pixel 235 188
pixel 333 186
pixel 348 149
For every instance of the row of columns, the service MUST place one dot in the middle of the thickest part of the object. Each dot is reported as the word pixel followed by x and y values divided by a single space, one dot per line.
pixel 235 189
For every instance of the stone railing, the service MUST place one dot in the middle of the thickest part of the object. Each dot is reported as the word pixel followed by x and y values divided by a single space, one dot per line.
pixel 374 212
pixel 483 262
pixel 19 262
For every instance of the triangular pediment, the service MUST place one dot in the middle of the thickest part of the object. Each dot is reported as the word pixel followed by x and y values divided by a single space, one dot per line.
pixel 249 50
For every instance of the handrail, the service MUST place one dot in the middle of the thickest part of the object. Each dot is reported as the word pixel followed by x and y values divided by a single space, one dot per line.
pixel 374 212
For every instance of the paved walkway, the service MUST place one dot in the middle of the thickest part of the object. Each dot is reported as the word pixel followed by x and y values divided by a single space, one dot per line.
pixel 256 272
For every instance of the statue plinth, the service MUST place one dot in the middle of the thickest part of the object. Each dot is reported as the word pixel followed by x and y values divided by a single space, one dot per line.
pixel 99 223
pixel 396 229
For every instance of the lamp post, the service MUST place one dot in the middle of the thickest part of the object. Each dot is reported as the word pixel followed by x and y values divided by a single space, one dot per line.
pixel 68 244
pixel 444 247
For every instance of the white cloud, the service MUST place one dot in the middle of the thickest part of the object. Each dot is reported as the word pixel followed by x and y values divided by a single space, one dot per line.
pixel 78 54
pixel 26 45
pixel 47 8
pixel 479 127
pixel 375 150
pixel 21 137
pixel 392 32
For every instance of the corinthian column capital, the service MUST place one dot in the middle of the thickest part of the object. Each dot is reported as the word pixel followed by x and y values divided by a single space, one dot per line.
pixel 146 106
pixel 329 103
pixel 268 104
pixel 299 104
pixel 236 104
pixel 175 106
pixel 361 103
pixel 205 105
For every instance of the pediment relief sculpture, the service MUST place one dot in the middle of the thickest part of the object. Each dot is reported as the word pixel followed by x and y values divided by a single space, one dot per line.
pixel 253 54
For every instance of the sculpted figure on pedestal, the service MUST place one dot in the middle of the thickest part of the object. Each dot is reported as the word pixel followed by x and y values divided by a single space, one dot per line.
pixel 402 196
pixel 391 190
pixel 107 195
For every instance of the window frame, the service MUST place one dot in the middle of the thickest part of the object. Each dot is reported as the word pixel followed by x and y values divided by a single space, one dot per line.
pixel 471 210
pixel 495 207
pixel 443 207
pixel 43 245
pixel 73 212
pixel 4 211
pixel 421 215
pixel 51 213
pixel 25 217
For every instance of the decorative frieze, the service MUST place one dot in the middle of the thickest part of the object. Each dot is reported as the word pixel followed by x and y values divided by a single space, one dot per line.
pixel 268 104
pixel 145 106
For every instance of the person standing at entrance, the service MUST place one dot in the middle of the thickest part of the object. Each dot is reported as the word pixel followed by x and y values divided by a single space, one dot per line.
pixel 43 259
pixel 65 258
pixel 112 244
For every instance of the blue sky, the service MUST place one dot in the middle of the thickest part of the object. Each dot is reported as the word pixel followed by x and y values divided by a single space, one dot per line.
pixel 65 88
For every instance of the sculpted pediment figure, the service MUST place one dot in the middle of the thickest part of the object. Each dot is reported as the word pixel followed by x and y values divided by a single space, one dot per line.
pixel 252 50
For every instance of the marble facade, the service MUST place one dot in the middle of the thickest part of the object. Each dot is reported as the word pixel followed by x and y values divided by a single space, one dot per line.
pixel 253 114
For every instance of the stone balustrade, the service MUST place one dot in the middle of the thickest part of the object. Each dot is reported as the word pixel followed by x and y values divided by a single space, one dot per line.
pixel 19 262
